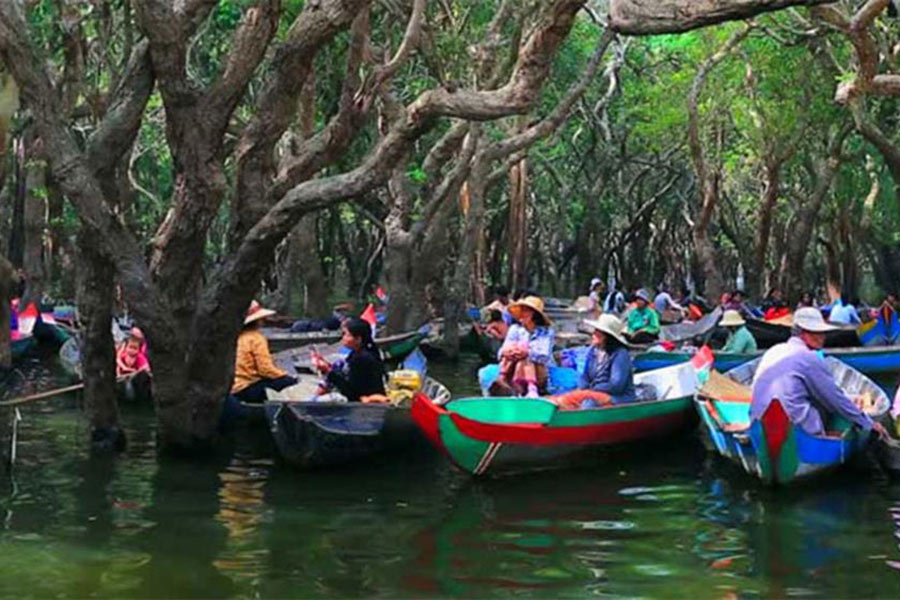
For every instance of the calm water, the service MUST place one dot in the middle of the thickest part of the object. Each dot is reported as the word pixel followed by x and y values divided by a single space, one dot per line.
pixel 671 522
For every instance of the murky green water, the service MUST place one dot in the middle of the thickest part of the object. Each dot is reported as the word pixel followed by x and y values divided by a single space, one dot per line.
pixel 670 522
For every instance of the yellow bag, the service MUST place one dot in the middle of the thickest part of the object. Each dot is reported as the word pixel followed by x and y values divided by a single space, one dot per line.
pixel 405 380
pixel 401 397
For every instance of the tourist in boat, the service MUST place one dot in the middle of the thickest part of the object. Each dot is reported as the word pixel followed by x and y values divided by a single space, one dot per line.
pixel 774 307
pixel 664 301
pixel 527 352
pixel 614 303
pixel 796 375
pixel 254 369
pixel 843 312
pixel 131 356
pixel 642 324
pixel 807 300
pixel 608 375
pixel 595 295
pixel 501 303
pixel 736 302
pixel 496 328
pixel 361 373
pixel 740 340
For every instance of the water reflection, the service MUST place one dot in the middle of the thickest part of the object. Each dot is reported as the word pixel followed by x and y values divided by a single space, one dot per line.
pixel 664 521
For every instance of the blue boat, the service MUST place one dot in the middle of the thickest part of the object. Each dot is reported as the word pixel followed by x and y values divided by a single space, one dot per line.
pixel 772 448
pixel 873 360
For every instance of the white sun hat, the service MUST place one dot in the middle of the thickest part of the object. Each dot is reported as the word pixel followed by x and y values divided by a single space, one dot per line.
pixel 608 324
pixel 810 319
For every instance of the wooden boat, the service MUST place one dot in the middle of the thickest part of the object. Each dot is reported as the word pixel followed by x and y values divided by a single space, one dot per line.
pixel 769 333
pixel 873 360
pixel 333 431
pixel 392 353
pixel 392 344
pixel 772 448
pixel 482 435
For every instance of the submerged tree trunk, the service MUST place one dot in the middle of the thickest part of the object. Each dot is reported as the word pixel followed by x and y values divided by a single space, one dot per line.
pixel 758 274
pixel 310 268
pixel 98 361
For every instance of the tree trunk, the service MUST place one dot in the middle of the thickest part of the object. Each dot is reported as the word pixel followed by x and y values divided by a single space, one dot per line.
pixel 9 281
pixel 518 225
pixel 95 304
pixel 761 248
pixel 17 228
pixel 35 221
pixel 306 237
pixel 397 271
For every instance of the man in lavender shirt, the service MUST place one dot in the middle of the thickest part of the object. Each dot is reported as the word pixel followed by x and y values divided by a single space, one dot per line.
pixel 796 375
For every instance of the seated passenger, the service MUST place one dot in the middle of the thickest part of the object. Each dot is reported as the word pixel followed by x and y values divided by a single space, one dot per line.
pixel 527 351
pixel 362 372
pixel 254 370
pixel 843 312
pixel 496 328
pixel 797 376
pixel 131 356
pixel 642 326
pixel 774 307
pixel 608 376
pixel 740 340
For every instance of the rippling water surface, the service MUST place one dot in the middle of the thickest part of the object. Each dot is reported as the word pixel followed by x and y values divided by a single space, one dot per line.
pixel 666 521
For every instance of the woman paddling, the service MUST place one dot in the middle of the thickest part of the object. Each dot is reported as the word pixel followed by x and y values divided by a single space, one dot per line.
pixel 527 352
pixel 608 376
pixel 362 372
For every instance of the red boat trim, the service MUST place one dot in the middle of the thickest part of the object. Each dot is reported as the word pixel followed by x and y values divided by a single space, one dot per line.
pixel 539 435
pixel 427 415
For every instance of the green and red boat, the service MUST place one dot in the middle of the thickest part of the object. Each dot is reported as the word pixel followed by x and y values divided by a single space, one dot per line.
pixel 495 435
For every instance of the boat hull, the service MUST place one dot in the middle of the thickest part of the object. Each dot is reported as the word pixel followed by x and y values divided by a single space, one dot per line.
pixel 872 360
pixel 321 434
pixel 479 446
pixel 773 449
pixel 768 334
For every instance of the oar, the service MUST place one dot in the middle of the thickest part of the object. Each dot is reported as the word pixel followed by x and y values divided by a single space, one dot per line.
pixel 49 393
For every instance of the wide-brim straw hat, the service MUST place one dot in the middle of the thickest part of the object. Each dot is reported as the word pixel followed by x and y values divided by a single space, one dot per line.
pixel 532 302
pixel 610 325
pixel 811 319
pixel 257 312
pixel 732 318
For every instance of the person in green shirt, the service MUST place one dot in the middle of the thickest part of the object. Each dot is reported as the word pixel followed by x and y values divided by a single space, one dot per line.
pixel 740 340
pixel 642 325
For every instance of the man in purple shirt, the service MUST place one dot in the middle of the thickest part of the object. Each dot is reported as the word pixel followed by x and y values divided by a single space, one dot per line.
pixel 796 375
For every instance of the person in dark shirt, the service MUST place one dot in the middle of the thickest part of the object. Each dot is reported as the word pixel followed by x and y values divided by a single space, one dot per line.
pixel 361 373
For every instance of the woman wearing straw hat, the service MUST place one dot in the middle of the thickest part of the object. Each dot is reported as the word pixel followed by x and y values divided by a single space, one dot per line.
pixel 740 340
pixel 527 352
pixel 642 326
pixel 254 370
pixel 608 376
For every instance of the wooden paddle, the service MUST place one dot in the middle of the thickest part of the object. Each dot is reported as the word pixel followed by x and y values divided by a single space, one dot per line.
pixel 55 392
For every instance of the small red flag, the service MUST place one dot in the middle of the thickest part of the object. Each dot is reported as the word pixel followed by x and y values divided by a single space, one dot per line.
pixel 368 315
pixel 703 358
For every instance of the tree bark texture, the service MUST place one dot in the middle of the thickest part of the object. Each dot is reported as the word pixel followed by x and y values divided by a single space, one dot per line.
pixel 9 281
pixel 35 221
pixel 95 303
pixel 647 17
pixel 518 225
